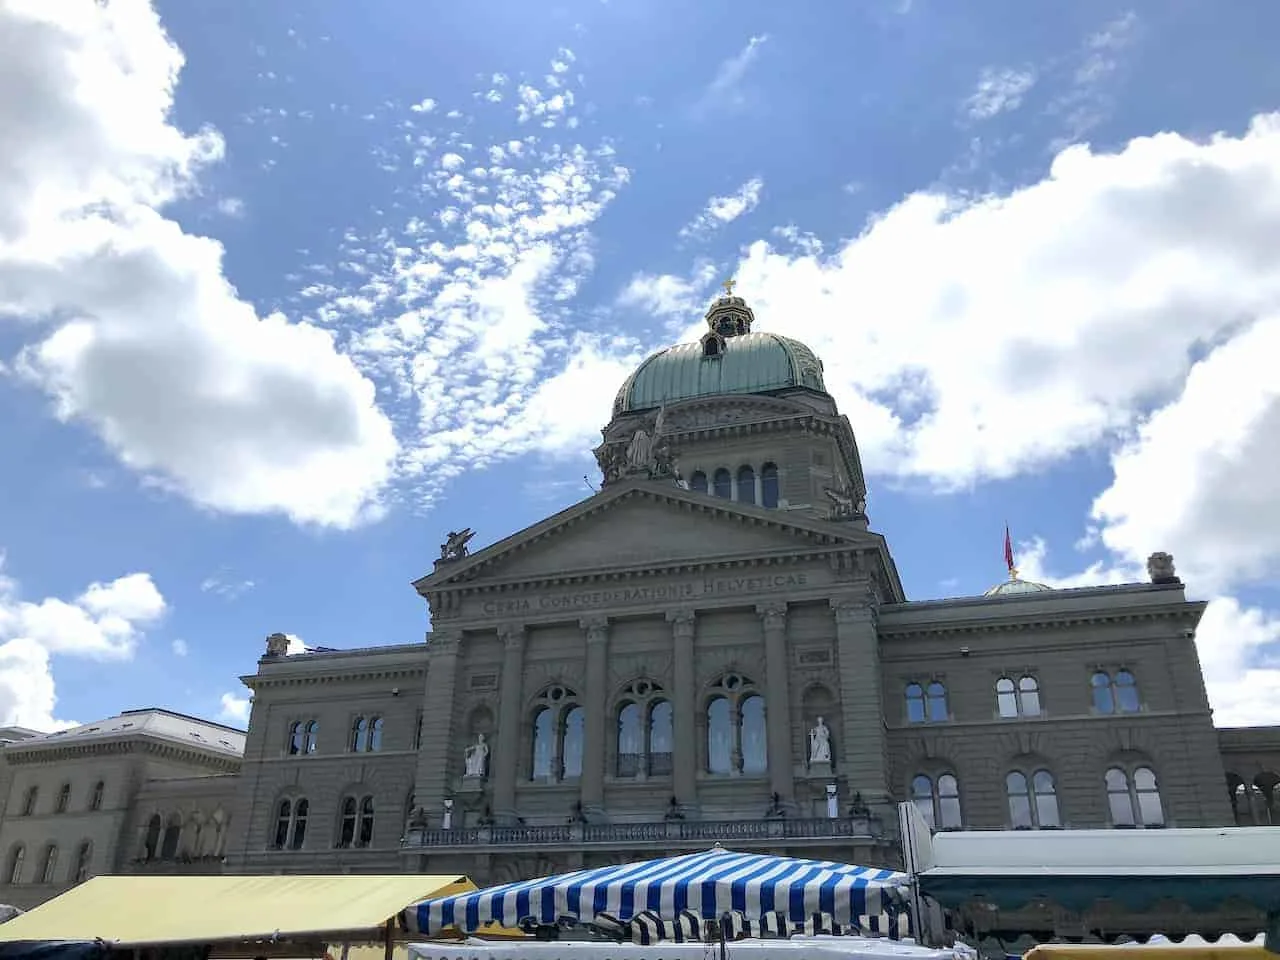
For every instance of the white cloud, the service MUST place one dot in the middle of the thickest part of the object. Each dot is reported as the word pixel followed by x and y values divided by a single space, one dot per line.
pixel 104 622
pixel 723 91
pixel 234 710
pixel 180 648
pixel 726 209
pixel 999 90
pixel 228 589
pixel 231 207
pixel 257 414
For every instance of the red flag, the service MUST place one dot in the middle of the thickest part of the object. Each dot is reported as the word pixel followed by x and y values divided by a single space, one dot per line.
pixel 1008 549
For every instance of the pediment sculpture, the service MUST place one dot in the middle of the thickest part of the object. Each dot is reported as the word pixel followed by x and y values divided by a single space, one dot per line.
pixel 647 454
pixel 455 545
pixel 846 503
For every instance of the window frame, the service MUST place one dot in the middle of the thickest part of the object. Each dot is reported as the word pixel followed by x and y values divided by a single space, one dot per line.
pixel 1134 794
pixel 737 690
pixel 1026 686
pixel 939 803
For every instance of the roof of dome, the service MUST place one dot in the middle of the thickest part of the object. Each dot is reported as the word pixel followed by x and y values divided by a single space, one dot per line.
pixel 745 363
pixel 1016 587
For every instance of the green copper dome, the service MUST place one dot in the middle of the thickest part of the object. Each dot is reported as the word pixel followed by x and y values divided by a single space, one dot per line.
pixel 729 359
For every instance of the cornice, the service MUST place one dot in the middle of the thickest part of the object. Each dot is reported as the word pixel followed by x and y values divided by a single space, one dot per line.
pixel 1039 621
pixel 49 753
pixel 256 681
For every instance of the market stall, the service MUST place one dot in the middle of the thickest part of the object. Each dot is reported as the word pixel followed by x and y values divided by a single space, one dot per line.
pixel 232 916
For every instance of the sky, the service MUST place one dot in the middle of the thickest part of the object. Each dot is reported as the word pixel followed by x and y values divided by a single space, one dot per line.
pixel 289 290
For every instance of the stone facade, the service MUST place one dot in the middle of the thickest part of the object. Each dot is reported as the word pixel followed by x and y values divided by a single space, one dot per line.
pixel 716 646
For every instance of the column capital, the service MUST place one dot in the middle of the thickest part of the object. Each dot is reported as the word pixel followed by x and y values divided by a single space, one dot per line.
pixel 441 643
pixel 774 615
pixel 682 621
pixel 512 636
pixel 853 609
pixel 596 628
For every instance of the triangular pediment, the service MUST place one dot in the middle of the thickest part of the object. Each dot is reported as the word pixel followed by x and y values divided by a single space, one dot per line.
pixel 644 524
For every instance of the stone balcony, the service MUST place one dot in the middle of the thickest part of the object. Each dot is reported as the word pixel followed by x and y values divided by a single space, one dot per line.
pixel 664 835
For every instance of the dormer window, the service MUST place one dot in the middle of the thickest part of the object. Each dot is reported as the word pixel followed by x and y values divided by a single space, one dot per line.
pixel 712 344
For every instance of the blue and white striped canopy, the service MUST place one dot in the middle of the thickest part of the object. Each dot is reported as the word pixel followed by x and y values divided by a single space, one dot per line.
pixel 708 884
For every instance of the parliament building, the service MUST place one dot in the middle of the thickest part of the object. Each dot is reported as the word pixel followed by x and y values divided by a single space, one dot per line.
pixel 714 647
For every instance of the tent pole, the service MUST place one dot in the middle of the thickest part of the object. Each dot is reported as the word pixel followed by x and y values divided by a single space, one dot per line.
pixel 388 941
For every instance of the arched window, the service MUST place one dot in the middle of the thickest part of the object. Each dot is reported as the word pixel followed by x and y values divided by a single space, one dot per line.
pixel 1033 804
pixel 365 836
pixel 936 694
pixel 84 858
pixel 297 737
pixel 347 822
pixel 375 734
pixel 723 484
pixel 1134 801
pixel 291 824
pixel 359 734
pixel 769 485
pixel 916 708
pixel 630 740
pixel 1021 699
pixel 927 703
pixel 698 482
pixel 49 864
pixel 660 739
pixel 172 834
pixel 16 856
pixel 29 801
pixel 736 739
pixel 1115 694
pixel 746 485
pixel 151 845
pixel 64 798
pixel 313 733
pixel 571 765
pixel 95 798
pixel 557 742
pixel 938 801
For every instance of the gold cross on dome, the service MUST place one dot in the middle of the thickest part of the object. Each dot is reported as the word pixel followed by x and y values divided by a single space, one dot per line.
pixel 728 287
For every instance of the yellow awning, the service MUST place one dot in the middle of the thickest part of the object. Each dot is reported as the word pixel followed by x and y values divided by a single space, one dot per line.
pixel 147 910
pixel 1130 951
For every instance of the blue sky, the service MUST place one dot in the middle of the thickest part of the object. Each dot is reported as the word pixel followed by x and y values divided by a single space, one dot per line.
pixel 289 290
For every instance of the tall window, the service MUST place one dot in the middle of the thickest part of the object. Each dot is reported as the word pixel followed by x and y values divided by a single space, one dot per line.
pixel 1021 699
pixel 64 798
pixel 297 735
pixel 95 798
pixel 937 800
pixel 303 735
pixel 698 482
pixel 927 703
pixel 355 826
pixel 644 731
pixel 313 734
pixel 769 485
pixel 1033 804
pixel 723 481
pixel 49 864
pixel 366 734
pixel 557 735
pixel 1116 693
pixel 291 823
pixel 746 485
pixel 16 856
pixel 84 857
pixel 736 739
pixel 1134 801
pixel 151 845
pixel 29 801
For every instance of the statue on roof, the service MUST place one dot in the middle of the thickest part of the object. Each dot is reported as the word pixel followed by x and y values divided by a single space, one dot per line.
pixel 455 545
pixel 277 645
pixel 845 503
pixel 1160 568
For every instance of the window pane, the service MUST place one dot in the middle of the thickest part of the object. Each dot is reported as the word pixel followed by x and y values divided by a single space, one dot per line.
pixel 922 797
pixel 1019 811
pixel 698 482
pixel 543 741
pixel 1150 808
pixel 1006 698
pixel 947 786
pixel 1047 810
pixel 630 740
pixel 915 703
pixel 949 813
pixel 723 484
pixel 755 753
pixel 1116 779
pixel 769 486
pixel 746 485
pixel 1103 702
pixel 719 736
pixel 572 756
pixel 1119 803
pixel 660 739
pixel 1029 691
pixel 937 703
pixel 1126 692
pixel 375 734
pixel 1144 779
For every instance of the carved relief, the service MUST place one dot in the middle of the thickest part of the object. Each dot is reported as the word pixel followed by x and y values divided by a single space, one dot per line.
pixel 540 674
pixel 717 660
pixel 654 666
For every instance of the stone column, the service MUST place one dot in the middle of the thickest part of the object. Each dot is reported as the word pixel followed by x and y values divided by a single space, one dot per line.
pixel 505 761
pixel 431 783
pixel 777 714
pixel 684 721
pixel 862 748
pixel 596 725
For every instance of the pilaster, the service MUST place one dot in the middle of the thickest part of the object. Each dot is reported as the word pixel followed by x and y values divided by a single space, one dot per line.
pixel 596 630
pixel 505 764
pixel 684 749
pixel 863 745
pixel 773 619
pixel 431 781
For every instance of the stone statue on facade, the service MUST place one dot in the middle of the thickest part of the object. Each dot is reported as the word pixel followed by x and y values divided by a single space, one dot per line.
pixel 647 454
pixel 775 809
pixel 417 819
pixel 673 810
pixel 477 758
pixel 846 504
pixel 455 545
pixel 277 645
pixel 859 810
pixel 1160 568
pixel 820 744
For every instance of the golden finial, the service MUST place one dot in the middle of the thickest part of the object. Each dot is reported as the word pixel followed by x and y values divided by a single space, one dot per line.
pixel 728 287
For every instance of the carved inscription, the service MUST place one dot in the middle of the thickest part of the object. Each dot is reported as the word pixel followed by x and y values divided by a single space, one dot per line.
pixel 662 593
